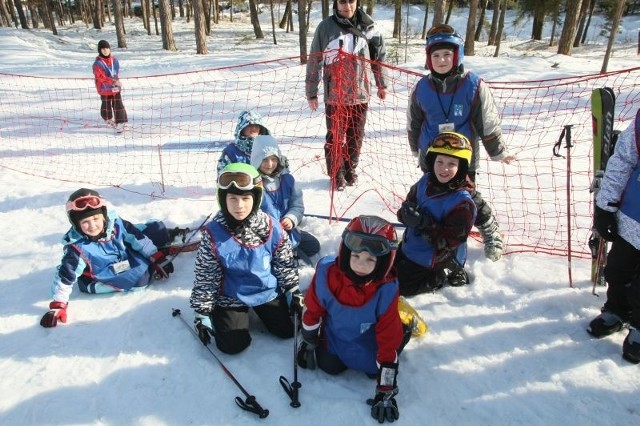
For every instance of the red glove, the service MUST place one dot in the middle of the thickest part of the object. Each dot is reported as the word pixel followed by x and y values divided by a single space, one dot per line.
pixel 162 266
pixel 58 311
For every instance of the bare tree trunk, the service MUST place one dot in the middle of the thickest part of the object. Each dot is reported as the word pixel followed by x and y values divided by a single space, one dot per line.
pixel 326 8
pixel 397 18
pixel 48 7
pixel 538 21
pixel 303 25
pixel 145 15
pixel 612 36
pixel 503 12
pixel 119 20
pixel 570 26
pixel 34 13
pixel 155 16
pixel 556 16
pixel 449 10
pixel 95 14
pixel 57 7
pixel 253 13
pixel 108 7
pixel 273 22
pixel 469 43
pixel 168 42
pixel 284 22
pixel 494 23
pixel 86 12
pixel 438 12
pixel 6 17
pixel 70 11
pixel 483 12
pixel 586 27
pixel 206 8
pixel 21 15
pixel 198 20
pixel 583 17
pixel 426 18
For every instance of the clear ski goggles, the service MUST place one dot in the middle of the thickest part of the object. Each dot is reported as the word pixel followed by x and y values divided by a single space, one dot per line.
pixel 86 202
pixel 451 140
pixel 242 181
pixel 441 29
pixel 375 245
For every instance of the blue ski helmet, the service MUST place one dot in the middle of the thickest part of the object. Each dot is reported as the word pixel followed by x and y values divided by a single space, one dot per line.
pixel 443 37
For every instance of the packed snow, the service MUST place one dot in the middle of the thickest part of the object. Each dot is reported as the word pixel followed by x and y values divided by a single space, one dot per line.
pixel 511 348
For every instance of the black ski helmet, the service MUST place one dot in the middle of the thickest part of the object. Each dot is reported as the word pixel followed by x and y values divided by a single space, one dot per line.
pixel 75 215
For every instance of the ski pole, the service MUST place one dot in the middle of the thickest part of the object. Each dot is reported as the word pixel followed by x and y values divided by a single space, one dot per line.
pixel 249 403
pixel 347 219
pixel 292 388
pixel 556 151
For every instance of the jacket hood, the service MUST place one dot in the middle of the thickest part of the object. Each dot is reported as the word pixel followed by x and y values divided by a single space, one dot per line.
pixel 265 146
pixel 246 118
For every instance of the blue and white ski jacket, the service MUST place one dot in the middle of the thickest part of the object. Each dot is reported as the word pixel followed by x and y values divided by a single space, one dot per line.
pixel 620 185
pixel 91 263
pixel 242 267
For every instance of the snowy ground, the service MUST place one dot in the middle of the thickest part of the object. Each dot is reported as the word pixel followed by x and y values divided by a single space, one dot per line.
pixel 511 348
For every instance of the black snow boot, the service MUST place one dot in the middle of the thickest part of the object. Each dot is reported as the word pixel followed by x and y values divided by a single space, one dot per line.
pixel 605 324
pixel 631 346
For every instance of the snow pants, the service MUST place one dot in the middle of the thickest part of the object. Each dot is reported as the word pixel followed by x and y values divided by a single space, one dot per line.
pixel 622 273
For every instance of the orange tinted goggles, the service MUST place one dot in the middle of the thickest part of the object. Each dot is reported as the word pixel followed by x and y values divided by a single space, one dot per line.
pixel 441 29
pixel 451 140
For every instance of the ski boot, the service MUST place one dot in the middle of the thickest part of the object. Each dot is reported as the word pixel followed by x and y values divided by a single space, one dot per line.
pixel 493 245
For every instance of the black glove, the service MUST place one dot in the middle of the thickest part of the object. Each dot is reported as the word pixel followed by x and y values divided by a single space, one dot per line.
pixel 295 299
pixel 384 405
pixel 203 327
pixel 606 224
pixel 307 349
pixel 411 216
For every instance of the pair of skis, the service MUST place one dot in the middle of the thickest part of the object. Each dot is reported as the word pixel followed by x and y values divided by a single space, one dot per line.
pixel 604 138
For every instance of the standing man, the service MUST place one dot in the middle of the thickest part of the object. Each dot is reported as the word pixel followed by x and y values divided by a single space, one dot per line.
pixel 450 99
pixel 342 48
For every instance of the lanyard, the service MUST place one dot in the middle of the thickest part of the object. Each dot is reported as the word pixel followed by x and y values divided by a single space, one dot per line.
pixel 446 114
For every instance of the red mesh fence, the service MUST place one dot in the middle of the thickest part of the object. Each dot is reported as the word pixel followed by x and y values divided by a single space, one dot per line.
pixel 178 124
